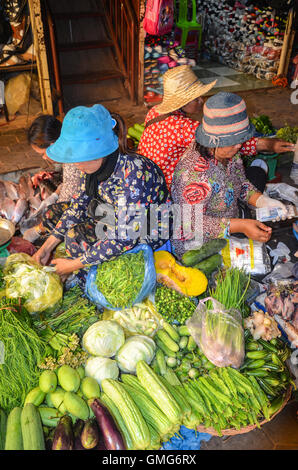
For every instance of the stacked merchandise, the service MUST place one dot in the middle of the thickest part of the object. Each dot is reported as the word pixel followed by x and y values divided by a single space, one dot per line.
pixel 248 39
pixel 161 54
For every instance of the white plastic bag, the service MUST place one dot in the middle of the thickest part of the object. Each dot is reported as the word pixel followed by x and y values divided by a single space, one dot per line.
pixel 218 333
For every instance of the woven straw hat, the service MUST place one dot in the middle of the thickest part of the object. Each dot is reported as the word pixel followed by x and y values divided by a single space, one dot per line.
pixel 181 86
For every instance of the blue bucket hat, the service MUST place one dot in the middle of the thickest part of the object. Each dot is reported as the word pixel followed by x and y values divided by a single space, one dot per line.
pixel 86 134
pixel 225 121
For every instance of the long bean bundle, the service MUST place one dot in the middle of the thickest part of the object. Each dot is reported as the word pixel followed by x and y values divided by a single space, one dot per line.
pixel 121 279
pixel 23 350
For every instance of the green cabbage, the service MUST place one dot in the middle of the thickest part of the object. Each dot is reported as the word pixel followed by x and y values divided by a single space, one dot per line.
pixel 38 286
pixel 101 368
pixel 135 349
pixel 103 338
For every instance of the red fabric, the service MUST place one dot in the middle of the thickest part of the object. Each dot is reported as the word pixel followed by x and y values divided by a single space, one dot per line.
pixel 165 142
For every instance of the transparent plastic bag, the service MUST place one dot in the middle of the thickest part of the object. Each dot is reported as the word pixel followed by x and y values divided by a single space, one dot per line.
pixel 246 254
pixel 39 287
pixel 218 332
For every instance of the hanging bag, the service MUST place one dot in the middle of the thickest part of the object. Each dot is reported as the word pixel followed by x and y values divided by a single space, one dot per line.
pixel 159 17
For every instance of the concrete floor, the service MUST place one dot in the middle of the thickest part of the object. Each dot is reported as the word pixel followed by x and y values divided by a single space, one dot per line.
pixel 15 154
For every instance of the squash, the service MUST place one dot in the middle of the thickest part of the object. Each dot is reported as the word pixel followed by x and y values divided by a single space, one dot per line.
pixel 187 281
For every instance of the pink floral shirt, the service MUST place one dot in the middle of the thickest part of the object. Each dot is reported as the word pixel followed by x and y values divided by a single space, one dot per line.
pixel 213 189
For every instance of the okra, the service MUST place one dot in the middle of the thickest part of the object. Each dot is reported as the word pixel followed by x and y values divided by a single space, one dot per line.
pixel 210 386
pixel 230 384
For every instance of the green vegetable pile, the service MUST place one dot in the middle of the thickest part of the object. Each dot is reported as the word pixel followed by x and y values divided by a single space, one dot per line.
pixel 172 305
pixel 231 288
pixel 288 133
pixel 263 124
pixel 75 315
pixel 23 350
pixel 121 279
pixel 177 350
pixel 265 360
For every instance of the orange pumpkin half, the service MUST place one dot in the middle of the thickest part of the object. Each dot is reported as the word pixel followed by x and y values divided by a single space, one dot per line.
pixel 187 281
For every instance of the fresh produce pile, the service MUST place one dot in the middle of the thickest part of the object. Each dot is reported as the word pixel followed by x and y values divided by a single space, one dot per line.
pixel 173 306
pixel 23 350
pixel 128 378
pixel 121 279
pixel 142 318
pixel 288 133
pixel 263 124
pixel 265 360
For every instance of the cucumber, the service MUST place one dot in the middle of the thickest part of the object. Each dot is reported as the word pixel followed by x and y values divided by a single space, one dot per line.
pixel 160 358
pixel 171 331
pixel 14 438
pixel 3 421
pixel 163 336
pixel 209 265
pixel 193 257
pixel 32 432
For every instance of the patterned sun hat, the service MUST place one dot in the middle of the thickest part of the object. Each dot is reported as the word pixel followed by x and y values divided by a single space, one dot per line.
pixel 180 87
pixel 225 121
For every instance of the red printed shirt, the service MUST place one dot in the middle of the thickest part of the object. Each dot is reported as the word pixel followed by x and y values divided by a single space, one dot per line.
pixel 165 142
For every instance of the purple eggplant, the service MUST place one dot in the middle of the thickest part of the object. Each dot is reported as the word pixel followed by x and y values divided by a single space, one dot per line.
pixel 112 437
pixel 63 436
pixel 77 431
pixel 90 434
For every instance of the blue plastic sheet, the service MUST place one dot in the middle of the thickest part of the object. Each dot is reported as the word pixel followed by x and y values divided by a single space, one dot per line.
pixel 191 440
pixel 98 298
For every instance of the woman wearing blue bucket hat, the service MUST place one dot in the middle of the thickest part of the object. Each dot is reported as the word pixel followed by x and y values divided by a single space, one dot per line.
pixel 117 189
pixel 211 177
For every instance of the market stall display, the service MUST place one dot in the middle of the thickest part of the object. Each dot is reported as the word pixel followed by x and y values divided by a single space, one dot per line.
pixel 107 379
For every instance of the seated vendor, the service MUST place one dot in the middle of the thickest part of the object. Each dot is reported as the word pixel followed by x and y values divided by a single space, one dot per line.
pixel 211 175
pixel 111 179
pixel 170 129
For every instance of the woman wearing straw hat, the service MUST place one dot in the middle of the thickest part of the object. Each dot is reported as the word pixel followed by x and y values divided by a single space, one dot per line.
pixel 168 130
pixel 210 176
pixel 102 221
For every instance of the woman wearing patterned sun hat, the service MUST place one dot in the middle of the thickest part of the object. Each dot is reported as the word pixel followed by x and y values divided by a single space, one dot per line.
pixel 211 175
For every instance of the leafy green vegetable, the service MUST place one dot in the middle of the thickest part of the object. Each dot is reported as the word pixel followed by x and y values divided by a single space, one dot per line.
pixel 231 287
pixel 263 124
pixel 121 279
pixel 75 315
pixel 103 338
pixel 37 285
pixel 23 350
pixel 288 133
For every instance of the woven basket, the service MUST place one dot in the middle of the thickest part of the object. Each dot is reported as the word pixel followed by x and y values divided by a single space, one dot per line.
pixel 234 432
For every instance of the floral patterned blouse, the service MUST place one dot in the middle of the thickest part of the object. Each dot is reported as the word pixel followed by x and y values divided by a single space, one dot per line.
pixel 134 178
pixel 71 182
pixel 165 142
pixel 211 188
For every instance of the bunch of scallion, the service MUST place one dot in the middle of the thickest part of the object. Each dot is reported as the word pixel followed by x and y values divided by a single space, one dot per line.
pixel 121 279
pixel 231 288
pixel 22 350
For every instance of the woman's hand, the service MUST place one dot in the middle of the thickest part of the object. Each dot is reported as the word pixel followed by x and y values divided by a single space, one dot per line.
pixel 274 145
pixel 43 255
pixel 65 266
pixel 254 229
